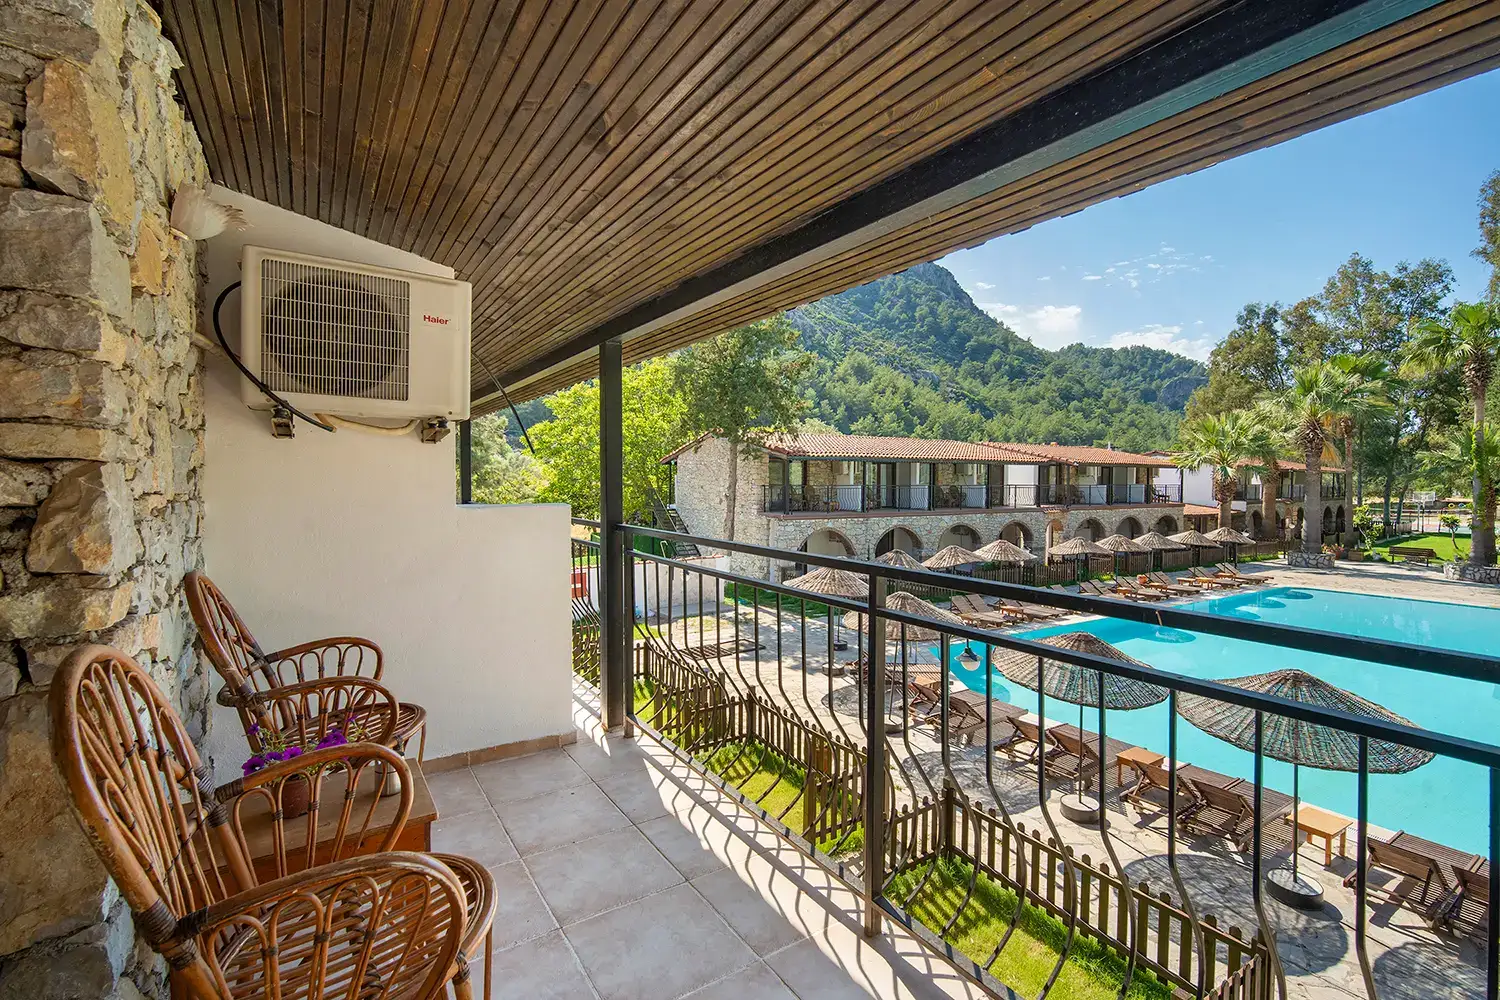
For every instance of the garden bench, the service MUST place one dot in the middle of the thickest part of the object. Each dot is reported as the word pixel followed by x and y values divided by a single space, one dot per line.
pixel 1413 553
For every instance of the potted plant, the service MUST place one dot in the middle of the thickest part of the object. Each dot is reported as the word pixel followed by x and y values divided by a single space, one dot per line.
pixel 296 789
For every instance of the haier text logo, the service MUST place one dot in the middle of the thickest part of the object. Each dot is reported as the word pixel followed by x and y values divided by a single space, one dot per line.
pixel 439 320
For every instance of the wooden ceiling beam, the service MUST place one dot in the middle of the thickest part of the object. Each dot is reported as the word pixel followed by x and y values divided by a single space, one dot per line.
pixel 1233 48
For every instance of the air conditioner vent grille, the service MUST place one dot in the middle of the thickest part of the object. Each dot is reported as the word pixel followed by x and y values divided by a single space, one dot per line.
pixel 334 333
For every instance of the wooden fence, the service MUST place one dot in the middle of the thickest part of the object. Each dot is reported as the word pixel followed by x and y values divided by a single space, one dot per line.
pixel 1160 932
pixel 694 705
pixel 697 710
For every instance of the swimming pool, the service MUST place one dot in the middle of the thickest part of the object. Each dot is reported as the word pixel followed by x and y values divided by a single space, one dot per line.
pixel 1445 800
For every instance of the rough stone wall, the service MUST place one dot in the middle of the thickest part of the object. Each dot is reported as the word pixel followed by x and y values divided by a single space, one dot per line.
pixel 101 441
pixel 700 490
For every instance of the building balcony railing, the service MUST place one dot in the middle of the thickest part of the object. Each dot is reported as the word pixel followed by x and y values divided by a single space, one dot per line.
pixel 779 498
pixel 904 754
pixel 1249 492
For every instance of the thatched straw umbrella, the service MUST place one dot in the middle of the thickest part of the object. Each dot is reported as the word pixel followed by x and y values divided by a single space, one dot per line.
pixel 1195 540
pixel 834 583
pixel 1078 549
pixel 1121 546
pixel 1158 543
pixel 951 557
pixel 1296 742
pixel 899 558
pixel 1234 539
pixel 1080 685
pixel 906 604
pixel 1002 551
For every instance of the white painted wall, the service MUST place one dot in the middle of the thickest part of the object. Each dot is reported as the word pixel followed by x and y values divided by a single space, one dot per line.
pixel 357 534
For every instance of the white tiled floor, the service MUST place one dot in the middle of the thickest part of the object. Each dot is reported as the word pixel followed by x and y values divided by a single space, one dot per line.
pixel 622 876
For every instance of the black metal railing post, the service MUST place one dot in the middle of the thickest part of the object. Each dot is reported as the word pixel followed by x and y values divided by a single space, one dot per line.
pixel 875 759
pixel 1492 915
pixel 616 614
pixel 465 461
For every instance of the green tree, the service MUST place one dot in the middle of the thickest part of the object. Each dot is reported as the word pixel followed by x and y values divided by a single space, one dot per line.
pixel 1250 361
pixel 502 473
pixel 1369 386
pixel 569 443
pixel 1315 403
pixel 742 385
pixel 1467 344
pixel 1225 443
pixel 1489 231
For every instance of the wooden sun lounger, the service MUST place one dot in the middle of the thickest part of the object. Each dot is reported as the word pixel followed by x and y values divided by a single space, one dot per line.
pixel 967 713
pixel 1429 872
pixel 1080 753
pixel 1171 586
pixel 1157 777
pixel 1229 570
pixel 974 611
pixel 1203 578
pixel 1035 612
pixel 1134 591
pixel 1469 907
pixel 1229 810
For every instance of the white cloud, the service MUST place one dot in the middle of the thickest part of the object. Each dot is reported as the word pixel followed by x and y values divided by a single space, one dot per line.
pixel 1046 326
pixel 1093 277
pixel 1165 338
pixel 983 286
pixel 1045 277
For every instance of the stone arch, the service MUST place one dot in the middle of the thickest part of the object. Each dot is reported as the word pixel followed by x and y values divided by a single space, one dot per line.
pixel 1130 527
pixel 1165 525
pixel 959 534
pixel 1338 520
pixel 1257 524
pixel 827 542
pixel 1090 529
pixel 1327 520
pixel 899 537
pixel 1017 533
pixel 1055 532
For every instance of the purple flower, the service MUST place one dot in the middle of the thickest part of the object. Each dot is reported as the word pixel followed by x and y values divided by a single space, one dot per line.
pixel 291 752
pixel 254 764
pixel 255 729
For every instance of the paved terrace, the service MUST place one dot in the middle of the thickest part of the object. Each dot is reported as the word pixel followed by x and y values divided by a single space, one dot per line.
pixel 622 875
pixel 1316 949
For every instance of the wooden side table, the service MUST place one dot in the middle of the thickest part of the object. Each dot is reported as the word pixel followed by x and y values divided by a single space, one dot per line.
pixel 1326 825
pixel 416 835
pixel 1134 758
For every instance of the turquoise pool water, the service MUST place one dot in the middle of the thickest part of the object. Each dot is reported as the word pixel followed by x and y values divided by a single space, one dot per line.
pixel 1445 800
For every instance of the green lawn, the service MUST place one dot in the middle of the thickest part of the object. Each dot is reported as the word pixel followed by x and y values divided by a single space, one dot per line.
pixel 1441 544
pixel 1091 973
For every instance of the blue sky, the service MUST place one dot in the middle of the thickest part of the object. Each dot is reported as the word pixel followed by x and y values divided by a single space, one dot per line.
pixel 1171 266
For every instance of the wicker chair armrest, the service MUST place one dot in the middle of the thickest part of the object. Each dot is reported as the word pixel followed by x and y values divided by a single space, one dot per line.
pixel 307 710
pixel 350 656
pixel 322 918
pixel 349 756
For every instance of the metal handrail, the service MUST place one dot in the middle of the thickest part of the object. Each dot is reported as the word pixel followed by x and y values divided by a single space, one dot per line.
pixel 1454 664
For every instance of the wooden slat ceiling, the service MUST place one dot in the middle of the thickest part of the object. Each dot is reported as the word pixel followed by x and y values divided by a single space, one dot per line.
pixel 575 159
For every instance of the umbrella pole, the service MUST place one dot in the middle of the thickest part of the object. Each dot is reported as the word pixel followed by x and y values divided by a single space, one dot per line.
pixel 1296 830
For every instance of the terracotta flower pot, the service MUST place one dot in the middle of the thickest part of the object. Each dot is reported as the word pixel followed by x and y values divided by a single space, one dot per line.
pixel 296 796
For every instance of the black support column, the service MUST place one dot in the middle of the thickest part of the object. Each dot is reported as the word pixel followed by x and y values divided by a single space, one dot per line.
pixel 619 617
pixel 465 461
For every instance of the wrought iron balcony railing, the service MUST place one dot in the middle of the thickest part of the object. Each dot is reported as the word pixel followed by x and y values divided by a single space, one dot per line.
pixel 908 779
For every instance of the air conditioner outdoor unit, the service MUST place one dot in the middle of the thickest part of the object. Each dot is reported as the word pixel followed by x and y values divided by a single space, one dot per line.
pixel 353 339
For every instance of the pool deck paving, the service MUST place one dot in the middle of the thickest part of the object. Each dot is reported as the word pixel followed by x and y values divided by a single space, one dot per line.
pixel 1316 948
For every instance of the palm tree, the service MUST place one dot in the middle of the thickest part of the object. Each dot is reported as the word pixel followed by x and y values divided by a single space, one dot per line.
pixel 1477 456
pixel 1368 387
pixel 1467 343
pixel 1272 435
pixel 1225 443
pixel 1315 404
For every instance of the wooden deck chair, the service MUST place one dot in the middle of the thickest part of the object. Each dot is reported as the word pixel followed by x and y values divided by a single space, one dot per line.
pixel 1029 733
pixel 974 611
pixel 1201 577
pixel 407 924
pixel 1025 609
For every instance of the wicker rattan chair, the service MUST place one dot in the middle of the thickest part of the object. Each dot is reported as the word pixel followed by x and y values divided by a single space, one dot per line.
pixel 318 919
pixel 304 690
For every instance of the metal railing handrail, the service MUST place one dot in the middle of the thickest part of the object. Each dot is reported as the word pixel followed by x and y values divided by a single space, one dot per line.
pixel 1369 650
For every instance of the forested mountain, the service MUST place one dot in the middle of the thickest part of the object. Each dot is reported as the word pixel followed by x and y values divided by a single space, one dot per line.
pixel 912 354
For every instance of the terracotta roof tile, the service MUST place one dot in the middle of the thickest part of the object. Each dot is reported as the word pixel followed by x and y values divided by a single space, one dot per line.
pixel 906 449
pixel 1083 454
